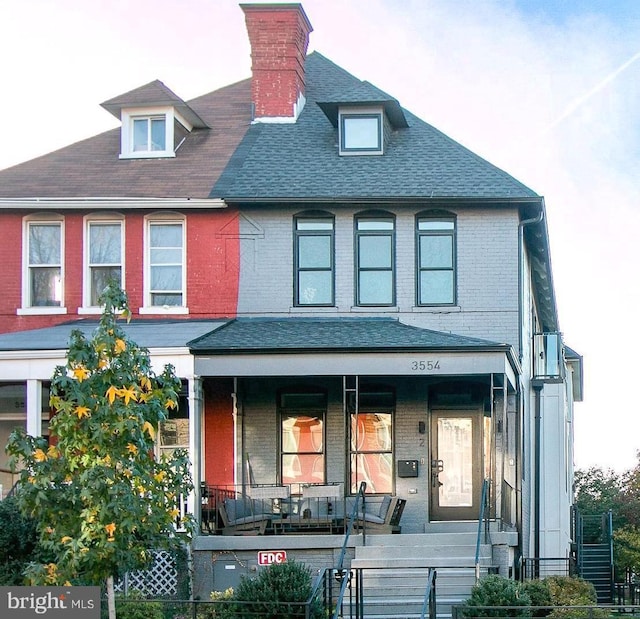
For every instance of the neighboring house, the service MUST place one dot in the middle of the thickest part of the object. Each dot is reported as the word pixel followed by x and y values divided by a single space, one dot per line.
pixel 348 295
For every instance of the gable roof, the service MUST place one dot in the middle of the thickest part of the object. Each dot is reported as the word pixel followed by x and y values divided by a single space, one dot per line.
pixel 244 335
pixel 92 167
pixel 300 161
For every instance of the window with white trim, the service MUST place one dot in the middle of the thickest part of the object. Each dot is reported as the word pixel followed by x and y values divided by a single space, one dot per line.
pixel 44 252
pixel 165 264
pixel 152 132
pixel 104 257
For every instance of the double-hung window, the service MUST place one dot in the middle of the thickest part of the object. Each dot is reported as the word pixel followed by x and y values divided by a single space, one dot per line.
pixel 314 261
pixel 44 264
pixel 375 249
pixel 371 441
pixel 436 264
pixel 104 257
pixel 302 440
pixel 165 269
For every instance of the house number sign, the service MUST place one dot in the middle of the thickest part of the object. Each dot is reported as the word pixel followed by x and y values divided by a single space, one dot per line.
pixel 421 365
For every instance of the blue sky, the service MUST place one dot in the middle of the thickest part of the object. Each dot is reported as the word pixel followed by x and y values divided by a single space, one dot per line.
pixel 547 90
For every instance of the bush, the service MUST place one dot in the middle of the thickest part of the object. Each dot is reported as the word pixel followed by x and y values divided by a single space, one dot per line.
pixel 134 606
pixel 224 610
pixel 275 587
pixel 18 543
pixel 496 592
pixel 572 591
pixel 538 591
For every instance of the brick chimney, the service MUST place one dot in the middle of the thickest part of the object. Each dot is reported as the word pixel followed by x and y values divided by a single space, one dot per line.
pixel 279 36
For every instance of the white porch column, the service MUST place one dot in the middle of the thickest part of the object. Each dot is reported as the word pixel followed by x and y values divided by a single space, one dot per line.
pixel 196 412
pixel 34 407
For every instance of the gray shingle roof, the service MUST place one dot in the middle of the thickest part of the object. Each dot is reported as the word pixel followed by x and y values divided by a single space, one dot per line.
pixel 301 161
pixel 328 334
pixel 145 333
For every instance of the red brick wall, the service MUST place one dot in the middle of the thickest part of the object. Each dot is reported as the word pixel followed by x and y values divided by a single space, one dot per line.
pixel 212 267
pixel 218 432
pixel 279 38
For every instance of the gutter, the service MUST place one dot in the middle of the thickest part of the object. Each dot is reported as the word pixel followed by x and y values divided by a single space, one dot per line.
pixel 44 204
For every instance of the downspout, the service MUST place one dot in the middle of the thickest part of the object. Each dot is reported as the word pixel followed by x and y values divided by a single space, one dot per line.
pixel 537 404
pixel 234 413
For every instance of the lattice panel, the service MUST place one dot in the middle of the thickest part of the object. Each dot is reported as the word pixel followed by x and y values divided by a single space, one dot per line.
pixel 160 580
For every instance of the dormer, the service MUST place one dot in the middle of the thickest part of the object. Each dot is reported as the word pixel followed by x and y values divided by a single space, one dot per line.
pixel 365 118
pixel 155 121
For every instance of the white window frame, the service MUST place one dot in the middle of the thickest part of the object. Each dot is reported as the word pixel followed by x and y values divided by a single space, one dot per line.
pixel 363 112
pixel 126 134
pixel 102 218
pixel 27 308
pixel 167 219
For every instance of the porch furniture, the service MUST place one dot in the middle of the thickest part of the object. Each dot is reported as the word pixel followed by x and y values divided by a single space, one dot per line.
pixel 319 508
pixel 381 517
pixel 244 516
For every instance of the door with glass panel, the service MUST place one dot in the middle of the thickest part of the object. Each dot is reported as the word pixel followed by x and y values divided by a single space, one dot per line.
pixel 456 465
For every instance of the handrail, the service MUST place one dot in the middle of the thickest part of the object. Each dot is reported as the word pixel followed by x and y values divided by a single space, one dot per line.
pixel 341 574
pixel 429 603
pixel 352 518
pixel 481 518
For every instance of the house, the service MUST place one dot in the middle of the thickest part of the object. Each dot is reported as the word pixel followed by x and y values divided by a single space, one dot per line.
pixel 347 294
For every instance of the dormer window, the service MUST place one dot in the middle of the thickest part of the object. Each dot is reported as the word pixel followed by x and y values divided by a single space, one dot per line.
pixel 152 132
pixel 361 132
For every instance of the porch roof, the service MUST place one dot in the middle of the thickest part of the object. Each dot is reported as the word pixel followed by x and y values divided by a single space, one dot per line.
pixel 345 346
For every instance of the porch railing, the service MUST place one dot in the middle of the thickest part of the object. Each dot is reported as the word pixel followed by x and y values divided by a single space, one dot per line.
pixel 296 508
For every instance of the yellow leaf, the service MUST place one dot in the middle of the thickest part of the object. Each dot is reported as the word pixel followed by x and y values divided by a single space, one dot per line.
pixel 147 427
pixel 132 449
pixel 128 394
pixel 112 392
pixel 120 346
pixel 160 475
pixel 145 383
pixel 81 373
pixel 110 529
pixel 66 539
pixel 174 513
pixel 53 452
pixel 82 411
pixel 169 404
pixel 39 455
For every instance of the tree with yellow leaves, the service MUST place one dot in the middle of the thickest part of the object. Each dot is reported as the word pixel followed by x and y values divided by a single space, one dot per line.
pixel 102 498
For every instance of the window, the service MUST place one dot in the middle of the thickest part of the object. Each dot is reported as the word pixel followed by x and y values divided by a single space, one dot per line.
pixel 44 264
pixel 436 261
pixel 165 276
pixel 375 248
pixel 302 442
pixel 149 134
pixel 104 257
pixel 361 133
pixel 314 261
pixel 173 432
pixel 371 441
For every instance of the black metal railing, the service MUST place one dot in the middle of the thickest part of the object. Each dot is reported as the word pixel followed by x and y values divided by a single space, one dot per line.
pixel 533 568
pixel 483 524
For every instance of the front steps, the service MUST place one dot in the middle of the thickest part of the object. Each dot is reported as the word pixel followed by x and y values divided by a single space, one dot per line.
pixel 395 570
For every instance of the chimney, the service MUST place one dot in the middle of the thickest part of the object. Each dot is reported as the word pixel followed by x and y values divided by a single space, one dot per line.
pixel 279 36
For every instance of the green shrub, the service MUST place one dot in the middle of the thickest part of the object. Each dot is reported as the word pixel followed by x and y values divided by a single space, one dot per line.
pixel 276 586
pixel 134 606
pixel 573 591
pixel 224 610
pixel 496 592
pixel 538 591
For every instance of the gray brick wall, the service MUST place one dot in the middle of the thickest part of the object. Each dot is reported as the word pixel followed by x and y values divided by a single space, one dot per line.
pixel 487 271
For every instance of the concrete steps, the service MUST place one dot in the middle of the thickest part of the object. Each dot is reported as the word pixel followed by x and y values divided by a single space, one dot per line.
pixel 395 571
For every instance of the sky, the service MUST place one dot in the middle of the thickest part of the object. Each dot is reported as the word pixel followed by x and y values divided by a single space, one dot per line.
pixel 548 90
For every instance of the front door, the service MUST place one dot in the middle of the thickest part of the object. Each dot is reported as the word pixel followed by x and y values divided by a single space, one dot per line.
pixel 456 464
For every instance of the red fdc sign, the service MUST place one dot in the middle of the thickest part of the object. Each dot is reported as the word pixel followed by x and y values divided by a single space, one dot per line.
pixel 267 557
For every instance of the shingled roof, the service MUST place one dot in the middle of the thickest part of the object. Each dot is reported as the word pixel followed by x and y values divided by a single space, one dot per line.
pixel 300 161
pixel 92 167
pixel 244 335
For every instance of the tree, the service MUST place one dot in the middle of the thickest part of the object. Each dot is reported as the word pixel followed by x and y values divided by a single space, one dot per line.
pixel 102 499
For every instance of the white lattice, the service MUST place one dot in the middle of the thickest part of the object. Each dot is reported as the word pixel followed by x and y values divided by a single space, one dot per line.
pixel 160 580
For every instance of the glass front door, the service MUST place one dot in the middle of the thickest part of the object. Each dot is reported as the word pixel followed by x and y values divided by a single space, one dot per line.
pixel 456 465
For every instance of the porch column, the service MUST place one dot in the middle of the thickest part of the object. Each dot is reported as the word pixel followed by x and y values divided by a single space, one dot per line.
pixel 196 411
pixel 34 407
